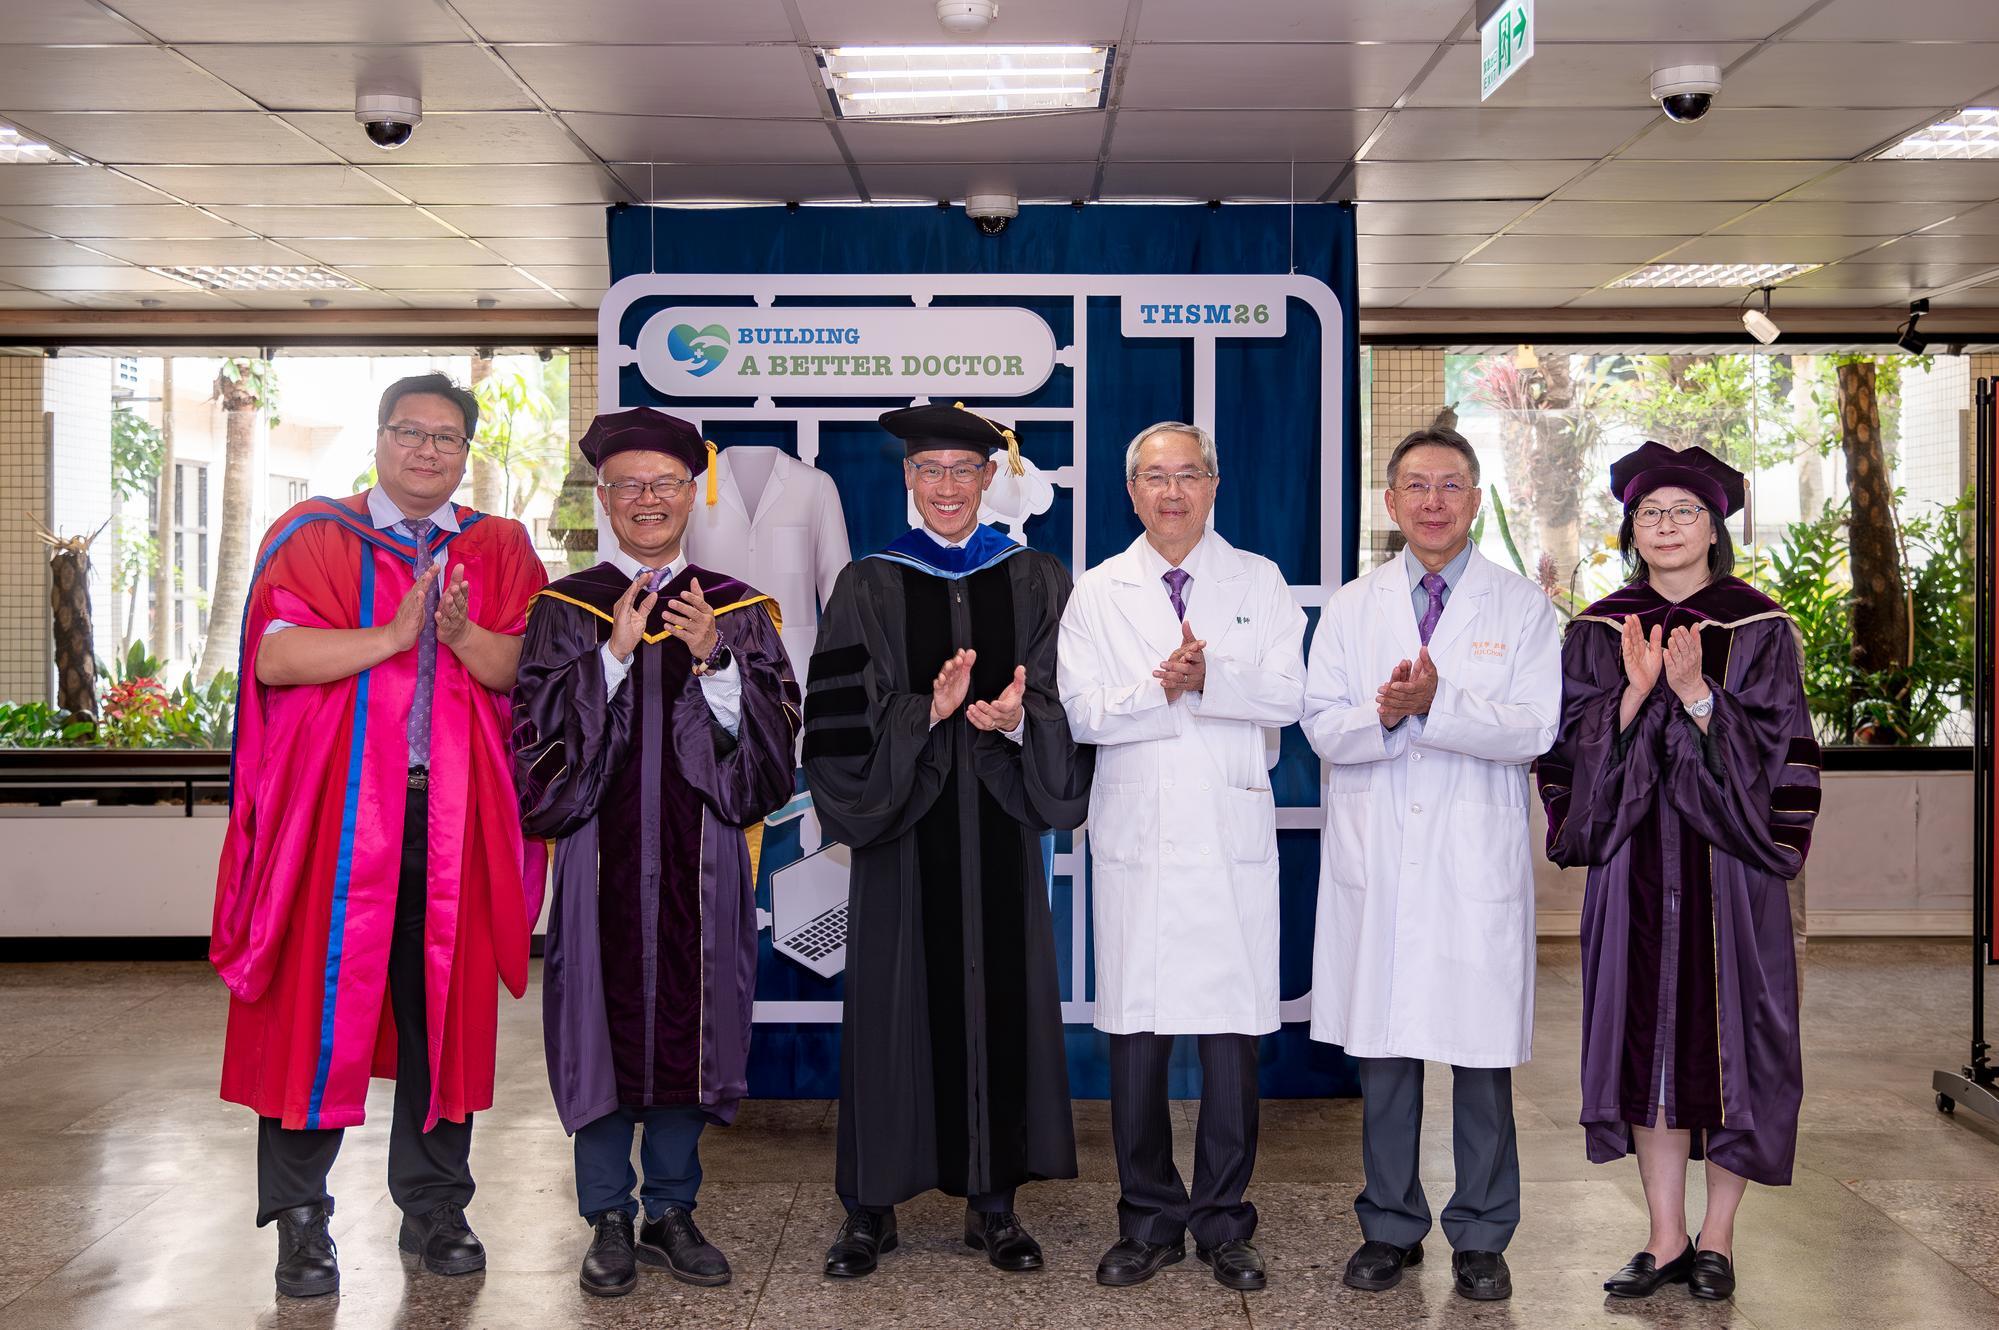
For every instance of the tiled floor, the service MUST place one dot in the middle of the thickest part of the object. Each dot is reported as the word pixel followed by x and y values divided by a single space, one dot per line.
pixel 125 1191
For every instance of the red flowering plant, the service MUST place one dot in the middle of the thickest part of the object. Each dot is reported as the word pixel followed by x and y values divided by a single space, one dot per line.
pixel 132 711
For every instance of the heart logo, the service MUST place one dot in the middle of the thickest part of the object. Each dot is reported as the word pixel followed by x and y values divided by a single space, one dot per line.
pixel 706 347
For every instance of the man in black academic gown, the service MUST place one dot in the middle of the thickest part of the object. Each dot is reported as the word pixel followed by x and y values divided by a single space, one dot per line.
pixel 936 747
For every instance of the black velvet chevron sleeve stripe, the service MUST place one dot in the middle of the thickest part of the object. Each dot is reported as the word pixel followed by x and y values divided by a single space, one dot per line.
pixel 836 704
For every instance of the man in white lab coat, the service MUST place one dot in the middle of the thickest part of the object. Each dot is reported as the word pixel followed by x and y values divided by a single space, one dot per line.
pixel 1435 680
pixel 1175 657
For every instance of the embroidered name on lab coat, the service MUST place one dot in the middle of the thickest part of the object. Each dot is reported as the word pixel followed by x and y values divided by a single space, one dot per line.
pixel 1488 650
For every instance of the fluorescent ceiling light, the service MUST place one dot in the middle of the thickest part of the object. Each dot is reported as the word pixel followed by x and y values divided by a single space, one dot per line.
pixel 1970 134
pixel 257 278
pixel 963 82
pixel 1715 274
pixel 16 147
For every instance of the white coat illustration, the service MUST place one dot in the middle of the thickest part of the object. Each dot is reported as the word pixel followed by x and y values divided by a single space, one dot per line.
pixel 1182 829
pixel 1424 945
pixel 776 523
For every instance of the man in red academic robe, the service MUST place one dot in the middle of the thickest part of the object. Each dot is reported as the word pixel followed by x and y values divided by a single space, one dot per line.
pixel 375 887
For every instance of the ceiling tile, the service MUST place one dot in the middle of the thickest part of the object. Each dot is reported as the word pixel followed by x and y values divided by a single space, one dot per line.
pixel 1973 222
pixel 1391 182
pixel 1417 249
pixel 335 299
pixel 1033 181
pixel 1222 136
pixel 515 184
pixel 1071 137
pixel 1625 249
pixel 13 299
pixel 1899 181
pixel 436 277
pixel 383 21
pixel 1631 219
pixel 400 251
pixel 108 78
pixel 116 277
pixel 1680 21
pixel 49 22
pixel 1068 21
pixel 1735 134
pixel 1835 297
pixel 449 138
pixel 284 221
pixel 1509 297
pixel 1586 74
pixel 161 253
pixel 658 138
pixel 537 220
pixel 39 253
pixel 1487 275
pixel 531 250
pixel 459 77
pixel 1246 75
pixel 1930 247
pixel 1664 297
pixel 1905 20
pixel 1622 180
pixel 174 137
pixel 171 219
pixel 1841 219
pixel 635 23
pixel 38 182
pixel 13 230
pixel 183 297
pixel 1734 248
pixel 1298 21
pixel 1909 276
pixel 584 299
pixel 1860 74
pixel 1431 135
pixel 765 183
pixel 756 82
pixel 300 185
pixel 1437 219
pixel 1400 274
pixel 1218 180
pixel 1383 297
pixel 572 277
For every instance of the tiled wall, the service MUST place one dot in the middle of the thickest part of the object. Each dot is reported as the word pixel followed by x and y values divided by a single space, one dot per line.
pixel 24 650
pixel 577 497
pixel 76 392
pixel 1406 394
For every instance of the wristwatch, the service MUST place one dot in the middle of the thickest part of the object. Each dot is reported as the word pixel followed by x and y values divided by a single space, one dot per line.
pixel 1701 709
pixel 718 659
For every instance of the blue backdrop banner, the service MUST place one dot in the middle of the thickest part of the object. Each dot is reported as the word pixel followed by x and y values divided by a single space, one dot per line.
pixel 1238 318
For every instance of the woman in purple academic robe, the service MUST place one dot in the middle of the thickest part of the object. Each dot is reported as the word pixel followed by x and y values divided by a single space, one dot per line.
pixel 1686 779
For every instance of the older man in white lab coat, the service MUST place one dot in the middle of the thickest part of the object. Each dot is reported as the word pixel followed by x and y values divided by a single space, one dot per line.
pixel 1435 680
pixel 1175 657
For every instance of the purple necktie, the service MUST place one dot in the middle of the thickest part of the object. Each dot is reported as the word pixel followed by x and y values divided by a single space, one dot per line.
pixel 1176 580
pixel 657 578
pixel 426 651
pixel 1434 584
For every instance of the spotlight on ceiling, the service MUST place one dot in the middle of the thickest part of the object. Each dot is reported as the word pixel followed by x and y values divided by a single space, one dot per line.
pixel 1909 338
pixel 1758 321
pixel 962 18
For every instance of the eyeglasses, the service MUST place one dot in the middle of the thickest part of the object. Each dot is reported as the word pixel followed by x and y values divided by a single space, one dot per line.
pixel 1683 514
pixel 668 488
pixel 409 436
pixel 1419 490
pixel 1160 481
pixel 965 473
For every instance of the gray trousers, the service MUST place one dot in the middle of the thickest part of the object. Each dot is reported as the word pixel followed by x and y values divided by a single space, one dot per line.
pixel 1485 1208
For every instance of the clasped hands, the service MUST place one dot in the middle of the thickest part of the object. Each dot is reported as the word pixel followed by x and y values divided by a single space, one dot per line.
pixel 1002 715
pixel 687 614
pixel 1186 670
pixel 1411 688
pixel 452 616
pixel 1678 655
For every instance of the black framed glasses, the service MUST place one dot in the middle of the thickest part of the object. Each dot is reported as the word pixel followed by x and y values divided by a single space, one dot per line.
pixel 667 488
pixel 1683 514
pixel 446 442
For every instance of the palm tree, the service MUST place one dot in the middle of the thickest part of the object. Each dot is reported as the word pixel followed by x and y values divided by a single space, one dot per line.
pixel 244 386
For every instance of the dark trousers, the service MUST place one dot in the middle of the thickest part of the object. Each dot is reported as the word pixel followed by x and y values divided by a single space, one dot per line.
pixel 985 1203
pixel 1485 1208
pixel 426 1168
pixel 1153 1203
pixel 669 1153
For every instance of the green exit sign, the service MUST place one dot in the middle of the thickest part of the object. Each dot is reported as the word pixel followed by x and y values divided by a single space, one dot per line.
pixel 1505 42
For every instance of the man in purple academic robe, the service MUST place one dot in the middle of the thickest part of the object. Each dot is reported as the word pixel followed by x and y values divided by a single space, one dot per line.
pixel 654 722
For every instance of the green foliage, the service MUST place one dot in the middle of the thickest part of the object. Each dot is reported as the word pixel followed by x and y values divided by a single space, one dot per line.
pixel 524 428
pixel 136 449
pixel 135 711
pixel 257 379
pixel 1506 532
pixel 1730 404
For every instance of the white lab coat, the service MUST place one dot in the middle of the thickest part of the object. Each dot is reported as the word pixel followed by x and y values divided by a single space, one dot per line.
pixel 1182 829
pixel 1424 946
pixel 790 543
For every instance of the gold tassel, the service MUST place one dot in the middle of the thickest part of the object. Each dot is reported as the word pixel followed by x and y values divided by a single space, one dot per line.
pixel 1014 465
pixel 712 482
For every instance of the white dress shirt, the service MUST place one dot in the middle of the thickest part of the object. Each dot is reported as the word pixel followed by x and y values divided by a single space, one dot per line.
pixel 1020 729
pixel 386 516
pixel 722 688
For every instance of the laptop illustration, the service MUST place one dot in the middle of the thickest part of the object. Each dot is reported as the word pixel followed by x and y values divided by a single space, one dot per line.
pixel 808 906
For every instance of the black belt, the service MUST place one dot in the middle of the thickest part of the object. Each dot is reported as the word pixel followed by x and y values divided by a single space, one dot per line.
pixel 419 778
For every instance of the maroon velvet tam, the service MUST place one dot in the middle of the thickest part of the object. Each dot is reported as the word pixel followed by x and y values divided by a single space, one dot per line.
pixel 1654 466
pixel 642 429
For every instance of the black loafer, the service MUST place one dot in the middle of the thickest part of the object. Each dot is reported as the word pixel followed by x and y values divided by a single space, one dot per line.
pixel 308 1265
pixel 1236 1264
pixel 609 1268
pixel 1006 1244
pixel 672 1243
pixel 860 1243
pixel 1712 1277
pixel 1134 1260
pixel 444 1240
pixel 1378 1266
pixel 1482 1276
pixel 1642 1275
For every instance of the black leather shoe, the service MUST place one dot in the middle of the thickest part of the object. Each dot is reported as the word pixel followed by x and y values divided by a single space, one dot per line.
pixel 444 1240
pixel 1377 1266
pixel 1006 1244
pixel 308 1266
pixel 1236 1264
pixel 672 1243
pixel 861 1241
pixel 609 1268
pixel 1712 1277
pixel 1134 1260
pixel 1482 1276
pixel 1642 1275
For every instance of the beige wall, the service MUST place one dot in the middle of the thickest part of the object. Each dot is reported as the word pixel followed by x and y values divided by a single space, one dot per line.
pixel 24 481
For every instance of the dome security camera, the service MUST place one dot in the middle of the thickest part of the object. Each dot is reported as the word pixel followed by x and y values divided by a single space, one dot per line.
pixel 963 18
pixel 390 119
pixel 1686 92
pixel 991 212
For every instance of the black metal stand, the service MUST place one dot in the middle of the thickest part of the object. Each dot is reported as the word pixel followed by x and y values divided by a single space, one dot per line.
pixel 1976 1085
